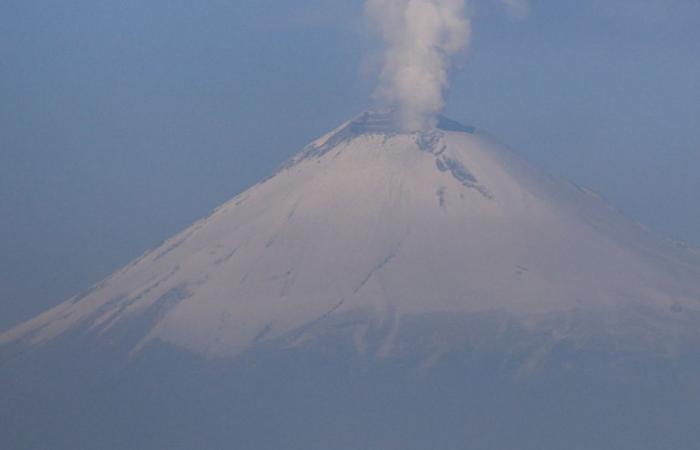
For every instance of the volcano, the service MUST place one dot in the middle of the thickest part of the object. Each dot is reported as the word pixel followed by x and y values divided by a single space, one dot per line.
pixel 382 290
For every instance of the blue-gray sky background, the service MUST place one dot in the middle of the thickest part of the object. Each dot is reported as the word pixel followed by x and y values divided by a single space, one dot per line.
pixel 123 122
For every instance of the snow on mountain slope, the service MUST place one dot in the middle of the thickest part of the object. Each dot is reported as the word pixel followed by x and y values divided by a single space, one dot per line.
pixel 379 225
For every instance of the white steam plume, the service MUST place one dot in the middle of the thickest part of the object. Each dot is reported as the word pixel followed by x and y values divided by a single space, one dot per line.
pixel 422 39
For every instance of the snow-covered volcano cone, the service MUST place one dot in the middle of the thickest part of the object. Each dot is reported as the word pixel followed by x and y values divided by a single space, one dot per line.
pixel 398 248
pixel 384 225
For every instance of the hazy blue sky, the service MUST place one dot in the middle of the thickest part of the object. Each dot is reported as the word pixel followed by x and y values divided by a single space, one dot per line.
pixel 123 122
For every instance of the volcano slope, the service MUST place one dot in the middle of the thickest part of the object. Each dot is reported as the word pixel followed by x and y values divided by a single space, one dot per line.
pixel 383 290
